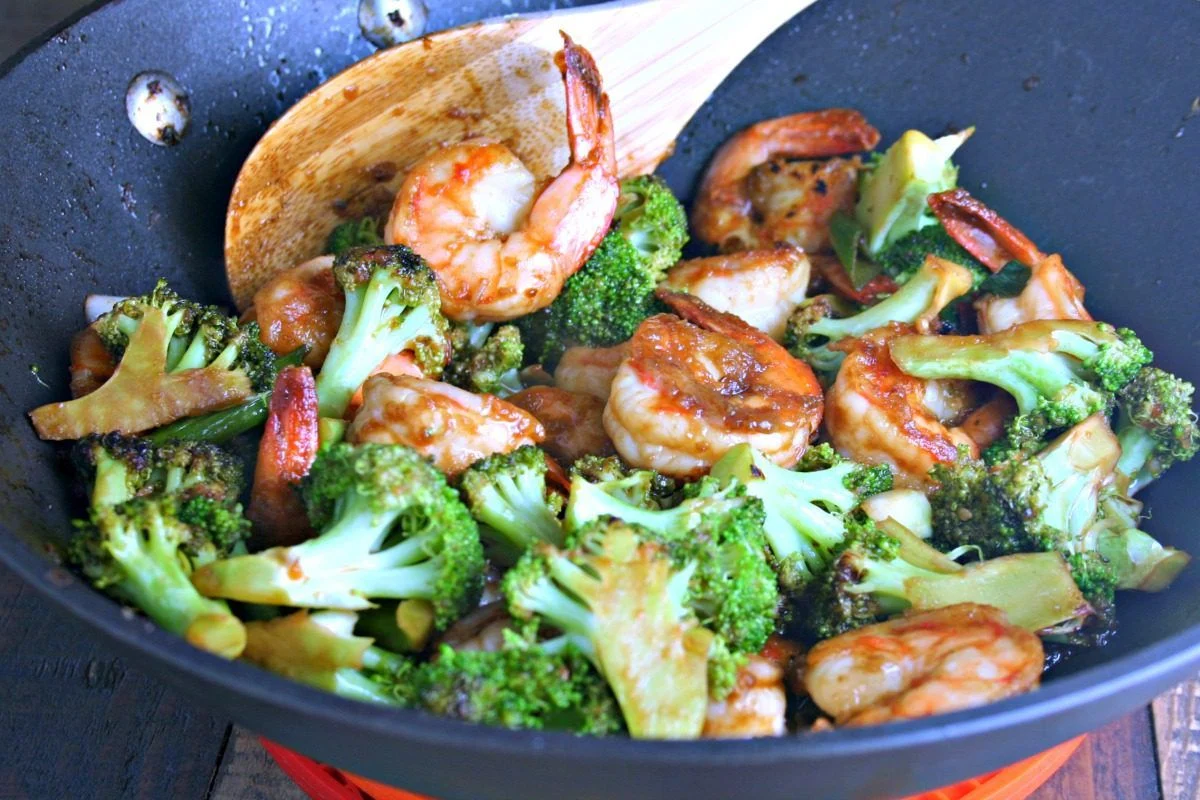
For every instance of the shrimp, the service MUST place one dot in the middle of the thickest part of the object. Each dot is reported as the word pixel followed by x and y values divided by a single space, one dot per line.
pixel 300 307
pixel 756 194
pixel 1052 291
pixel 985 424
pixel 481 630
pixel 451 426
pixel 589 370
pixel 285 454
pixel 917 665
pixel 757 706
pixel 91 363
pixel 763 287
pixel 574 423
pixel 692 388
pixel 876 414
pixel 470 210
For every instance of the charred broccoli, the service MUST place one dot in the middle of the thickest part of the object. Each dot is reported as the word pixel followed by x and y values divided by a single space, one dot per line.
pixel 175 359
pixel 1156 426
pixel 485 358
pixel 392 305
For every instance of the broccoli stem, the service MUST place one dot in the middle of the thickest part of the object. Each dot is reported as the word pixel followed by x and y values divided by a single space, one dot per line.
pixel 221 426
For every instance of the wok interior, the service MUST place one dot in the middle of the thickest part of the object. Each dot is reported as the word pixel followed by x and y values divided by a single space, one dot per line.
pixel 92 207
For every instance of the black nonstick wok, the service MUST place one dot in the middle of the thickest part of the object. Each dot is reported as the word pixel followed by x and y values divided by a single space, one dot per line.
pixel 1085 140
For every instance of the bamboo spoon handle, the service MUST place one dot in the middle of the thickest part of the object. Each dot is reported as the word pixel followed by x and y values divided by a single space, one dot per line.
pixel 344 149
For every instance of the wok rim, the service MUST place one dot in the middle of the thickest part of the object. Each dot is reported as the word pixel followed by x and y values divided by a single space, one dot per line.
pixel 1159 665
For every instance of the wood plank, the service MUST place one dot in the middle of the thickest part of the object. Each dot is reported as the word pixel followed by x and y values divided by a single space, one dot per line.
pixel 1177 732
pixel 1114 763
pixel 246 772
pixel 78 722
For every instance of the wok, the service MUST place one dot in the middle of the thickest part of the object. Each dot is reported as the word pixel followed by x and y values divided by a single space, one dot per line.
pixel 1084 142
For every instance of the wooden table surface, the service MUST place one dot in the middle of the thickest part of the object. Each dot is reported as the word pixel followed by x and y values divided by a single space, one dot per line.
pixel 78 722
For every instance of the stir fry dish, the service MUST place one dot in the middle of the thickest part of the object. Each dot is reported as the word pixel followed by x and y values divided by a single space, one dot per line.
pixel 870 458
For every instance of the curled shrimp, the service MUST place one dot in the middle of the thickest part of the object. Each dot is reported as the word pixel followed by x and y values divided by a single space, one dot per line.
pixel 922 664
pixel 763 287
pixel 1052 292
pixel 470 210
pixel 876 414
pixel 285 453
pixel 300 307
pixel 692 388
pixel 756 194
pixel 589 370
pixel 452 427
pixel 91 363
pixel 574 422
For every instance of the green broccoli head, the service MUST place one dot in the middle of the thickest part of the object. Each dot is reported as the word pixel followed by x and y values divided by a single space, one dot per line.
pixel 390 527
pixel 621 599
pixel 603 303
pixel 175 358
pixel 485 358
pixel 321 650
pixel 641 487
pixel 806 513
pixel 905 257
pixel 519 687
pixel 143 552
pixel 392 305
pixel 508 494
pixel 1156 426
pixel 822 321
pixel 719 530
pixel 362 232
pixel 1059 372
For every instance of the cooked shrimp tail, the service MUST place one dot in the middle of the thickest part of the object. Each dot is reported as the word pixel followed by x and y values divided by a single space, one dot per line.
pixel 981 231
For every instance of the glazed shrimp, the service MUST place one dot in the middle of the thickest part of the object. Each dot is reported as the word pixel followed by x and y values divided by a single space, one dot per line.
pixel 763 287
pixel 757 706
pixel 589 370
pixel 933 662
pixel 1052 291
pixel 499 248
pixel 876 414
pixel 300 307
pixel 692 388
pixel 574 423
pixel 452 427
pixel 755 194
pixel 91 363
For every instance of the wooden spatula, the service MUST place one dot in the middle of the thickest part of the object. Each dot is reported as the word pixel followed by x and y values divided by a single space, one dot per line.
pixel 343 150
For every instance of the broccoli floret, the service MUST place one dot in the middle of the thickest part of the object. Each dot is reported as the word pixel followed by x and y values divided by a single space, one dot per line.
pixel 392 305
pixel 1059 372
pixel 390 527
pixel 881 571
pixel 621 600
pixel 143 551
pixel 485 358
pixel 362 232
pixel 118 468
pixel 1156 426
pixel 641 487
pixel 1138 561
pixel 718 530
pixel 823 320
pixel 507 492
pixel 519 687
pixel 603 303
pixel 893 191
pixel 176 359
pixel 806 512
pixel 904 258
pixel 320 649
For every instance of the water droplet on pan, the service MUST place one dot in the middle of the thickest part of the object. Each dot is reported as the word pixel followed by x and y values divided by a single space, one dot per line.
pixel 158 107
pixel 390 22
